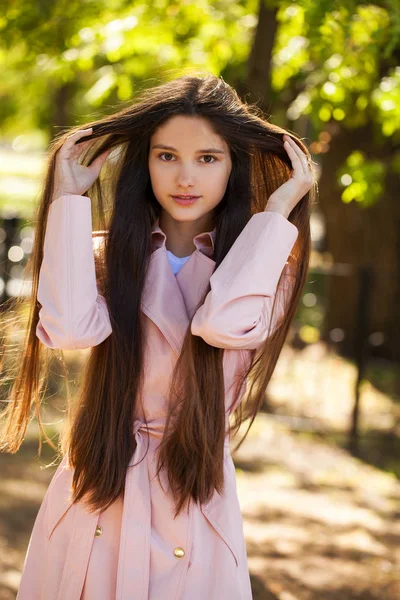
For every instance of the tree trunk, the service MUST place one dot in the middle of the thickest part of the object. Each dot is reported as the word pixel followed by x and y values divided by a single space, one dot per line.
pixel 258 81
pixel 360 236
pixel 62 114
pixel 356 236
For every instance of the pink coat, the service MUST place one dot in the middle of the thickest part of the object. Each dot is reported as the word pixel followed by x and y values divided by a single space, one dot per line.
pixel 135 550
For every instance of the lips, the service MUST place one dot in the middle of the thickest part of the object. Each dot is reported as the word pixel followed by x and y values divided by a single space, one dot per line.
pixel 183 200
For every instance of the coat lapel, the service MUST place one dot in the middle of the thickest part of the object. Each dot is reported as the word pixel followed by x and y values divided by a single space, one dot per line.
pixel 170 301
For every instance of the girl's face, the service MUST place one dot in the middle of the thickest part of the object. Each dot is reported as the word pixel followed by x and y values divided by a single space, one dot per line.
pixel 186 157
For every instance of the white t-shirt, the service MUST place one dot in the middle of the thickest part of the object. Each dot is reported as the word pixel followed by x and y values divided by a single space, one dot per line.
pixel 176 262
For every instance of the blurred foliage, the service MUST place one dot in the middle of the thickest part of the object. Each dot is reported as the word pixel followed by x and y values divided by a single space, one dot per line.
pixel 336 50
pixel 335 62
pixel 363 179
pixel 106 50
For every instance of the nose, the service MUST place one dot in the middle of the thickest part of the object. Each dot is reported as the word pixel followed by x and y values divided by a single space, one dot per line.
pixel 185 177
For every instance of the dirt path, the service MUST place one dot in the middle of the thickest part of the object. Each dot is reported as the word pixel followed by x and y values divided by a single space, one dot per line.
pixel 23 485
pixel 319 524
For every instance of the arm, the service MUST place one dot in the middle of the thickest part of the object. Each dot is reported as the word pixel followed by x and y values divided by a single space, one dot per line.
pixel 236 311
pixel 73 315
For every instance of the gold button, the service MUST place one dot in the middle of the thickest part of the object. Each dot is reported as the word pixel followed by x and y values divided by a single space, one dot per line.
pixel 98 531
pixel 179 552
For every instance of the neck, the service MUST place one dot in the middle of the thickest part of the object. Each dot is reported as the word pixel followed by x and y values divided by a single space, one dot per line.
pixel 180 234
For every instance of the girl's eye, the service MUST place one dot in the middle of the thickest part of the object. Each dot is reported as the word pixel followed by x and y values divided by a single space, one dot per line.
pixel 209 156
pixel 165 154
pixel 205 155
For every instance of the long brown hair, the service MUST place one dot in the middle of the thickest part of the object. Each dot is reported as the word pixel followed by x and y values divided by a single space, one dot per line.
pixel 99 439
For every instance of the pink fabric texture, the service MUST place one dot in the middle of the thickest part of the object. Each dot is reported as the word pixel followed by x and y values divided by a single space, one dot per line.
pixel 134 558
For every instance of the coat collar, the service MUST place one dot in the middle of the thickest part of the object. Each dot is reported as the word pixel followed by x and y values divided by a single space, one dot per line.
pixel 204 242
pixel 169 300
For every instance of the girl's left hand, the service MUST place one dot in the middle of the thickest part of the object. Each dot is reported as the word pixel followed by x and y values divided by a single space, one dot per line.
pixel 285 198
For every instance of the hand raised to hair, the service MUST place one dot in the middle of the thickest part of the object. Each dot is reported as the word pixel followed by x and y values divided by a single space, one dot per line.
pixel 285 198
pixel 70 177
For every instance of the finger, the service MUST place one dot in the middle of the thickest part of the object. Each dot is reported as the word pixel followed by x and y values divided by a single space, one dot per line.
pixel 300 154
pixel 295 159
pixel 80 132
pixel 100 160
pixel 71 139
pixel 305 161
pixel 74 149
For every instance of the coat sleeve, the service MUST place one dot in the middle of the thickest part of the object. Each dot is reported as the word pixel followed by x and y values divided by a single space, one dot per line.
pixel 236 311
pixel 73 314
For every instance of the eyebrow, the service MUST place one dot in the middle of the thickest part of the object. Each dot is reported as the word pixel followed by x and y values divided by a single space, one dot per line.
pixel 164 147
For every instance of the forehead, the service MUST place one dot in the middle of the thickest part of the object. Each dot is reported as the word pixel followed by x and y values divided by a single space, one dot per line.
pixel 187 131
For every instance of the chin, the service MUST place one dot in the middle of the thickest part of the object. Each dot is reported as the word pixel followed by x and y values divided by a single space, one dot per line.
pixel 178 216
pixel 185 213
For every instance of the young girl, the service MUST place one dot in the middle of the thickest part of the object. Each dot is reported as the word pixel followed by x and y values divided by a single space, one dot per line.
pixel 185 297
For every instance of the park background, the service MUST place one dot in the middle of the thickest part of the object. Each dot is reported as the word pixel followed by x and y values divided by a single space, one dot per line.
pixel 318 475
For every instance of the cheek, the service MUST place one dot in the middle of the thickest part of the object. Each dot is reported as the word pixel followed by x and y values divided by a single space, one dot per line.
pixel 156 174
pixel 224 177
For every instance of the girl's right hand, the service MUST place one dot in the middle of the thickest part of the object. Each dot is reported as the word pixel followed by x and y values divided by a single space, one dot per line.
pixel 70 177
